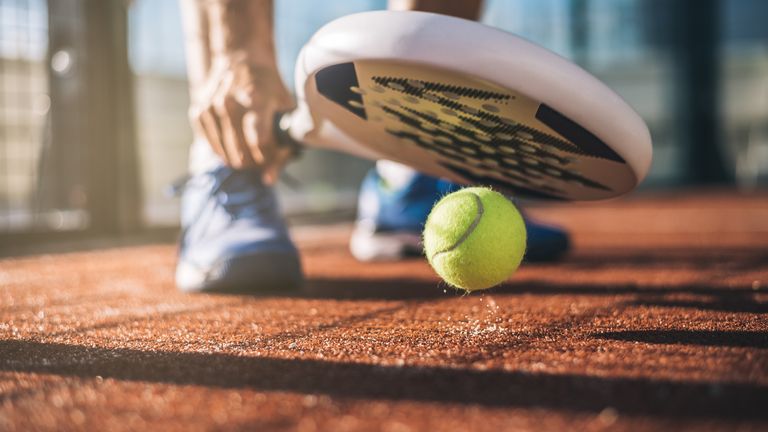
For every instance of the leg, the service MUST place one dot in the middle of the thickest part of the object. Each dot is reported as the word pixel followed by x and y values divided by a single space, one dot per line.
pixel 233 236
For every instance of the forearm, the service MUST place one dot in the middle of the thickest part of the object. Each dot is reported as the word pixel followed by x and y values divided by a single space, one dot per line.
pixel 242 28
pixel 196 31
pixel 226 31
pixel 235 86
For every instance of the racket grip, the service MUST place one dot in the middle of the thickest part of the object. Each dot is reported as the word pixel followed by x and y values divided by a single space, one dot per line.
pixel 280 127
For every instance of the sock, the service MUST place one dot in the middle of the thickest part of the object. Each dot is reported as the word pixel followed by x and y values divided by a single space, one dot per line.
pixel 202 158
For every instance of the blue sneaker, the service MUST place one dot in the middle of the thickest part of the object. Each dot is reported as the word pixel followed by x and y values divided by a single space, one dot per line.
pixel 233 237
pixel 390 221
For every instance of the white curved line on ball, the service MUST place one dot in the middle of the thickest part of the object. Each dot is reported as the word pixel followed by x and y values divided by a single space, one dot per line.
pixel 478 216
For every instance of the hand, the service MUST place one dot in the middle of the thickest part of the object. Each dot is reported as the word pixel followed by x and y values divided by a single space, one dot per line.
pixel 235 109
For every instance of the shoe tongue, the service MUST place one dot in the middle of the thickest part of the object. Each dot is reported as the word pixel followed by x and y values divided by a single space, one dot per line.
pixel 237 197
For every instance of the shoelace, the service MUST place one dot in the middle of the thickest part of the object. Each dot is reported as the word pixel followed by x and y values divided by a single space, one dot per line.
pixel 236 204
pixel 176 188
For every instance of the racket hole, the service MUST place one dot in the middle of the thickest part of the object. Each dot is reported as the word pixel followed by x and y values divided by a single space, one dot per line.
pixel 524 135
pixel 415 84
pixel 491 108
pixel 451 95
pixel 430 97
pixel 487 149
pixel 487 123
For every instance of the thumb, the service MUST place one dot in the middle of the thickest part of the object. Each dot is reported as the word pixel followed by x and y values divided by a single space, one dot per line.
pixel 272 172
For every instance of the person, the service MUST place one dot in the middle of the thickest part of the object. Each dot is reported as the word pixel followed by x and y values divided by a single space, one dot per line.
pixel 233 236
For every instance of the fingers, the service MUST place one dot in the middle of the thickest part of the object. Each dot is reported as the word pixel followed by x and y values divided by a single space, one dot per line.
pixel 205 119
pixel 265 136
pixel 250 120
pixel 241 138
pixel 235 113
pixel 263 146
pixel 272 172
pixel 207 126
pixel 230 113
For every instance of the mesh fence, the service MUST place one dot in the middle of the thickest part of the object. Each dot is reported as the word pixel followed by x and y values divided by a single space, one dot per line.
pixel 24 107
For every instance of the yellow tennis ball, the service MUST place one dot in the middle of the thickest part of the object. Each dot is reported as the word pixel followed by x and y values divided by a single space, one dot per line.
pixel 474 238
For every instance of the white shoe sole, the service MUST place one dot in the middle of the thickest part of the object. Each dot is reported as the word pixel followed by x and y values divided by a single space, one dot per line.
pixel 368 246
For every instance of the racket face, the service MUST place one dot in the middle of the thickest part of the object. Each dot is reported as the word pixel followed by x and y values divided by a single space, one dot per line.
pixel 462 127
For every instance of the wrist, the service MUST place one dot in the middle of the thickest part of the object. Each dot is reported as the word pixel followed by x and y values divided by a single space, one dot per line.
pixel 241 62
pixel 264 60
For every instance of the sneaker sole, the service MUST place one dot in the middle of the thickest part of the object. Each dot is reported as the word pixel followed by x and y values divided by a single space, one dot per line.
pixel 366 246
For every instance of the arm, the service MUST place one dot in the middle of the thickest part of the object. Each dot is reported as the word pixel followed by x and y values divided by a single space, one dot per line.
pixel 235 87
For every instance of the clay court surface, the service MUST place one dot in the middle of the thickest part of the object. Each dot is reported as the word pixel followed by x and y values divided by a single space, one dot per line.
pixel 656 321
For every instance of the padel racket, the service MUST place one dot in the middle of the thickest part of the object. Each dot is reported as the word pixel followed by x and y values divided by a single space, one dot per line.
pixel 470 103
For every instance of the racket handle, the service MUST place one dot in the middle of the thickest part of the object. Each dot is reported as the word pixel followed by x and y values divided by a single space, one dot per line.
pixel 280 129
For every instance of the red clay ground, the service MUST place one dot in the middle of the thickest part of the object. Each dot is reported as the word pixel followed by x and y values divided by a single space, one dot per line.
pixel 656 321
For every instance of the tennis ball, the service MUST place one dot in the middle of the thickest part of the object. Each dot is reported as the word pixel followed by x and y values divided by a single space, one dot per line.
pixel 474 238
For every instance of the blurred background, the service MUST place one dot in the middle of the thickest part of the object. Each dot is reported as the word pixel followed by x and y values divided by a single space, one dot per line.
pixel 93 102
